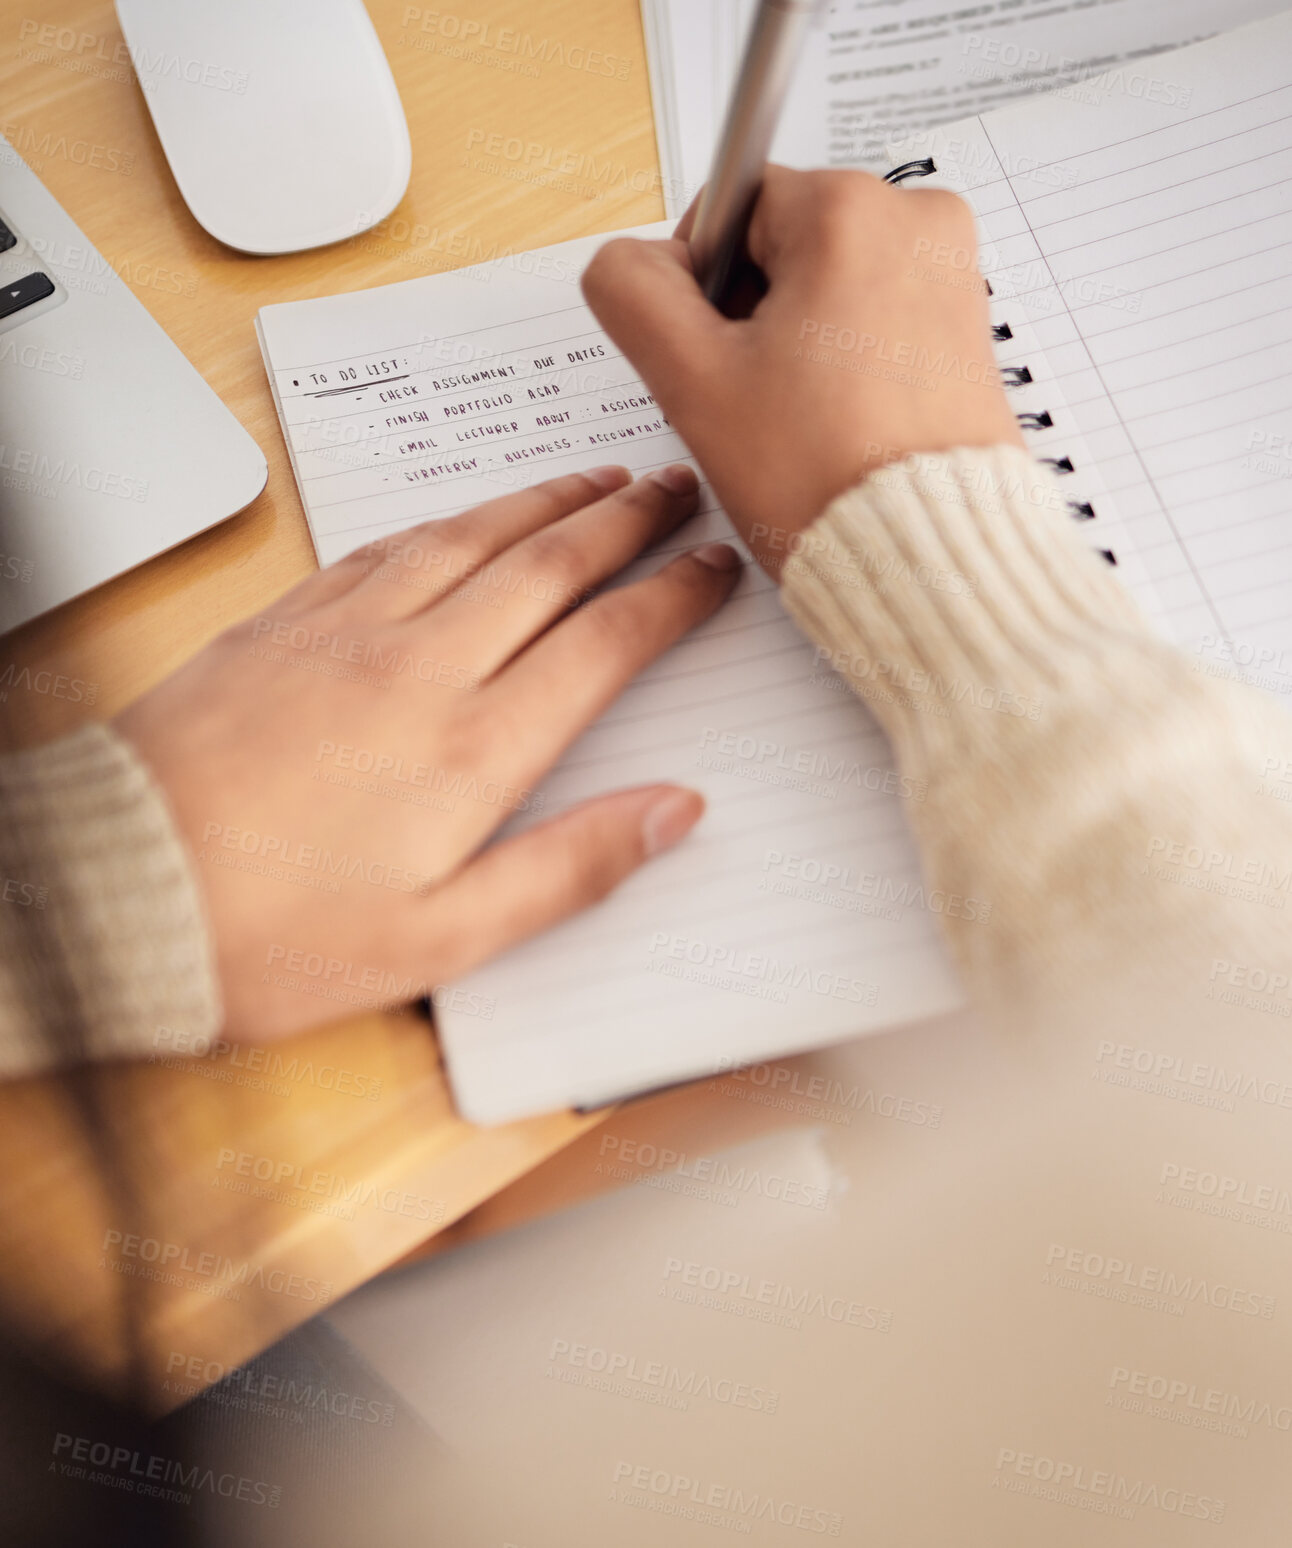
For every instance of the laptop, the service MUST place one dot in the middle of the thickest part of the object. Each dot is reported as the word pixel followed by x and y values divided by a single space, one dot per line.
pixel 112 447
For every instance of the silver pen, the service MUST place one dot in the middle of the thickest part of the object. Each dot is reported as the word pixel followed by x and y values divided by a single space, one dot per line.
pixel 775 43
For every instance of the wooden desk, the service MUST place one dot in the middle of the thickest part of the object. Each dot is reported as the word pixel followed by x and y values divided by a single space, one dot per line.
pixel 267 1182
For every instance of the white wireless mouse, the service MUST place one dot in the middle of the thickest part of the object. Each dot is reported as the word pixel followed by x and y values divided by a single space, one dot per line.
pixel 280 118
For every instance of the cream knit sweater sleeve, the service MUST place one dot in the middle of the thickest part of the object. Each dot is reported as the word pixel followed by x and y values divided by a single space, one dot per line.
pixel 1120 809
pixel 103 943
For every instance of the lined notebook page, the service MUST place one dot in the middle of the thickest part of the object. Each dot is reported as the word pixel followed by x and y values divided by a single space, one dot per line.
pixel 422 399
pixel 1147 245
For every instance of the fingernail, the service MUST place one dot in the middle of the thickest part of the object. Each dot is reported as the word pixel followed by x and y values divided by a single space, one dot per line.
pixel 670 819
pixel 609 478
pixel 677 479
pixel 718 556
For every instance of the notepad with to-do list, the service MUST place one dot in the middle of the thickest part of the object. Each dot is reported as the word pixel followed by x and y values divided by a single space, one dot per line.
pixel 1138 244
pixel 794 915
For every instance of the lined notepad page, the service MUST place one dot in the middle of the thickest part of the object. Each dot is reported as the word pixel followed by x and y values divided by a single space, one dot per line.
pixel 1146 242
pixel 424 398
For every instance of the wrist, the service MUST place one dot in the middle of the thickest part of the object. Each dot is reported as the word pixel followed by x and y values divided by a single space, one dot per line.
pixel 953 593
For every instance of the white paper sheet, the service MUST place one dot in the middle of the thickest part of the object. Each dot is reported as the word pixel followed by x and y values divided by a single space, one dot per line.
pixel 878 70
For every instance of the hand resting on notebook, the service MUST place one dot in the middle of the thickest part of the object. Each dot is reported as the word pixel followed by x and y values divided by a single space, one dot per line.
pixel 872 342
pixel 276 751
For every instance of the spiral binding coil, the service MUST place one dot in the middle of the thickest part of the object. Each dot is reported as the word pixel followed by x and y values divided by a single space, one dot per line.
pixel 1021 376
pixel 925 167
pixel 1011 376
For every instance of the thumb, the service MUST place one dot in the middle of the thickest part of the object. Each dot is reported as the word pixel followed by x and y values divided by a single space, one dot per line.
pixel 529 883
pixel 646 297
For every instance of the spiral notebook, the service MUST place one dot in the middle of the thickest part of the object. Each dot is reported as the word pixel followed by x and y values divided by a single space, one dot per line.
pixel 1137 240
pixel 1138 255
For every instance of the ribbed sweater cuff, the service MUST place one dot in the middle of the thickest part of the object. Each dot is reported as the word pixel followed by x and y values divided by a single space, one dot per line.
pixel 103 939
pixel 951 588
